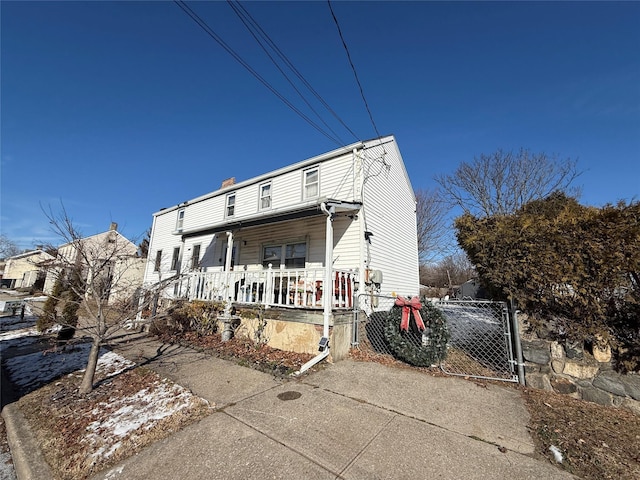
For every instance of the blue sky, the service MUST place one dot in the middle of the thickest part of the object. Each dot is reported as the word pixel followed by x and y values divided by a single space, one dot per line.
pixel 120 109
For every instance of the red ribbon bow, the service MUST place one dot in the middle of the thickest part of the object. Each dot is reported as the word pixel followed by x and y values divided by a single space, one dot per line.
pixel 409 306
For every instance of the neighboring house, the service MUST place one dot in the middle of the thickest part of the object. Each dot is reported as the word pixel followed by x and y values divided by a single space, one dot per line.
pixel 471 290
pixel 342 223
pixel 124 270
pixel 24 270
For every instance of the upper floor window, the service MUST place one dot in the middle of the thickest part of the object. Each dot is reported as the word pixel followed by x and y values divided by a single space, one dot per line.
pixel 180 220
pixel 311 189
pixel 265 196
pixel 231 205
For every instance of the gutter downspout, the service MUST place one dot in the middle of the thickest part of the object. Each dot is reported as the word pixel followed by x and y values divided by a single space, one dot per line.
pixel 327 290
pixel 516 334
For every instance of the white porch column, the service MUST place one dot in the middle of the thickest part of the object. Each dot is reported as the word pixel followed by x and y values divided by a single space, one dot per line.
pixel 327 291
pixel 227 269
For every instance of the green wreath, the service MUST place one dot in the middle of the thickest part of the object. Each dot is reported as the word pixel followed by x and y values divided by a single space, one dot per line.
pixel 418 348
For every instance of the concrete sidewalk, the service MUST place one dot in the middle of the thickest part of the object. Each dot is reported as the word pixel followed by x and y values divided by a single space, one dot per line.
pixel 352 420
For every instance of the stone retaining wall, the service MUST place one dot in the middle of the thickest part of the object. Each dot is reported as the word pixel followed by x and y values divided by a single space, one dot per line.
pixel 571 369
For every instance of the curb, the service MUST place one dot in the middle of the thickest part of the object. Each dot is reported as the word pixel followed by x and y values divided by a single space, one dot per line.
pixel 28 461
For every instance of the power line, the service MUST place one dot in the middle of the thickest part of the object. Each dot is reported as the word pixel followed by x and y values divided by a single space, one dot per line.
pixel 245 20
pixel 209 31
pixel 286 60
pixel 344 44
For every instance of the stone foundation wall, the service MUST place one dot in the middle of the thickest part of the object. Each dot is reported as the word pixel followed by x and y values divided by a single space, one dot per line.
pixel 298 330
pixel 570 369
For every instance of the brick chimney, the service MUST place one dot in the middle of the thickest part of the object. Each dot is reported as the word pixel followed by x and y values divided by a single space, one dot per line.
pixel 228 182
pixel 113 227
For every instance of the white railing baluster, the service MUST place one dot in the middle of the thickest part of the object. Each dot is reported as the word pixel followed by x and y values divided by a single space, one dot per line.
pixel 297 288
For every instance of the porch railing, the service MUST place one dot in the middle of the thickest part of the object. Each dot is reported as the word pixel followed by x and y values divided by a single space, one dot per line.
pixel 301 288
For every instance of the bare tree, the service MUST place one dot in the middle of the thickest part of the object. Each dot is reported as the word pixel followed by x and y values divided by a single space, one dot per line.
pixel 431 220
pixel 8 248
pixel 452 270
pixel 143 246
pixel 101 275
pixel 502 182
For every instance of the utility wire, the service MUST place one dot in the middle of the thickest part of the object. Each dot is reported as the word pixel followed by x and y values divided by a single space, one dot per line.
pixel 344 44
pixel 245 21
pixel 286 60
pixel 194 16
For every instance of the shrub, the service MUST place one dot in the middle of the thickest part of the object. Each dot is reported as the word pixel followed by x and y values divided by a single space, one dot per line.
pixel 573 269
pixel 49 315
pixel 196 316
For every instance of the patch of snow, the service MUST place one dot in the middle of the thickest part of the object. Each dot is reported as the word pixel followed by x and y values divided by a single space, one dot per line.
pixel 557 454
pixel 110 364
pixel 13 293
pixel 142 410
pixel 41 298
pixel 13 334
pixel 119 419
pixel 114 473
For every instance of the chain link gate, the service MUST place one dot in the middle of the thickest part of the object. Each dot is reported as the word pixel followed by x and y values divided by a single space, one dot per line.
pixel 480 340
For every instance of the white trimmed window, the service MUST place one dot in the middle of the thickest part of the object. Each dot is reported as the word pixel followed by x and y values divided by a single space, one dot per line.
pixel 175 259
pixel 156 265
pixel 295 255
pixel 180 220
pixel 311 183
pixel 195 257
pixel 265 196
pixel 289 255
pixel 231 205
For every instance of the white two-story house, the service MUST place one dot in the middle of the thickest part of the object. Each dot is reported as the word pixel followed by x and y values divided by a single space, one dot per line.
pixel 309 243
pixel 108 255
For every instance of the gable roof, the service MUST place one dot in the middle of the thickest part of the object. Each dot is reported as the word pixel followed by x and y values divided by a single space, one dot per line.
pixel 27 254
pixel 295 166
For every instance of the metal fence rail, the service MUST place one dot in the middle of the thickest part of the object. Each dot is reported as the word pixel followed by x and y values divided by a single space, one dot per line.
pixel 479 336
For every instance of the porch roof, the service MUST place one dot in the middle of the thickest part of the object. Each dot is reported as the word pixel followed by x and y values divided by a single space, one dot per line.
pixel 303 211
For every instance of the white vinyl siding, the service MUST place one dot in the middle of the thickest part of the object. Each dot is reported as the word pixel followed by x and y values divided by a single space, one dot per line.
pixel 346 239
pixel 390 216
pixel 162 239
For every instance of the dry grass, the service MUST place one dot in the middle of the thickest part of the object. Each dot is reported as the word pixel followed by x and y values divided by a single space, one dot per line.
pixel 597 442
pixel 243 351
pixel 71 428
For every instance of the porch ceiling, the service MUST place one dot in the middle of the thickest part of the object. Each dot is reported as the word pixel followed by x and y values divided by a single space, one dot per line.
pixel 273 217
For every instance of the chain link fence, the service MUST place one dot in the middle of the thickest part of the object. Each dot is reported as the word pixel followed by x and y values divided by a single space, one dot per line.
pixel 479 345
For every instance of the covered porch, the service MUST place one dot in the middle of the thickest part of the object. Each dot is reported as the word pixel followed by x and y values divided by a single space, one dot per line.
pixel 279 260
